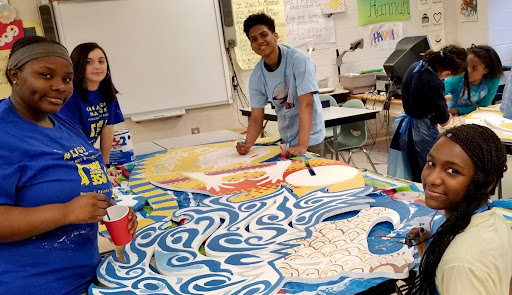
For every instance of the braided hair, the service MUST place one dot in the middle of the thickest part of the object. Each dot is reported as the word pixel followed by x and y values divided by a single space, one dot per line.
pixel 487 153
pixel 451 58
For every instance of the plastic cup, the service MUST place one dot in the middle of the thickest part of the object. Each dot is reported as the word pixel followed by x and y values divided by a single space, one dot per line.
pixel 117 222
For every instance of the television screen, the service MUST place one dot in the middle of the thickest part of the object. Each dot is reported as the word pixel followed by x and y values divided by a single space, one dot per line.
pixel 408 51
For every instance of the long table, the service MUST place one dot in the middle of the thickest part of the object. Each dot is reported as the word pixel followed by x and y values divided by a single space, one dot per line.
pixel 333 117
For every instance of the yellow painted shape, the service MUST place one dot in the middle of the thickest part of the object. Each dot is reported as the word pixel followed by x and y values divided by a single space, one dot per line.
pixel 155 192
pixel 268 139
pixel 187 159
pixel 165 213
pixel 163 205
pixel 162 198
pixel 144 222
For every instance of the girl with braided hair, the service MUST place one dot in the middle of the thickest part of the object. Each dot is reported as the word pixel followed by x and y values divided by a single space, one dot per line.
pixel 415 130
pixel 482 78
pixel 471 252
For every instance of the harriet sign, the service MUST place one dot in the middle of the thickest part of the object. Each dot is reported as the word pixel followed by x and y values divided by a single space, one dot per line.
pixel 377 11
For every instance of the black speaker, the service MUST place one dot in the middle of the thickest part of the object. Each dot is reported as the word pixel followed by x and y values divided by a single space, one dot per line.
pixel 226 12
pixel 48 22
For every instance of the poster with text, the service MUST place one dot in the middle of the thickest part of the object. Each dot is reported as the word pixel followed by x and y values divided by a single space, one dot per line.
pixel 245 57
pixel 385 36
pixel 306 21
pixel 378 11
pixel 468 11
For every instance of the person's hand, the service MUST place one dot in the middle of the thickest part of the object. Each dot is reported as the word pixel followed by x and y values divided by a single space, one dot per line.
pixel 419 236
pixel 453 111
pixel 242 147
pixel 86 208
pixel 447 122
pixel 132 226
pixel 296 151
pixel 113 179
pixel 113 172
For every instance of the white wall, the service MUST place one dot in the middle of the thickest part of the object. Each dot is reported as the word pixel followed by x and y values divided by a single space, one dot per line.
pixel 493 27
pixel 500 28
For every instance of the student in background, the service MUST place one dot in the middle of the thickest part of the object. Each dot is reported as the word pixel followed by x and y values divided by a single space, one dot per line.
pixel 482 77
pixel 415 130
pixel 93 107
pixel 54 187
pixel 286 77
pixel 471 252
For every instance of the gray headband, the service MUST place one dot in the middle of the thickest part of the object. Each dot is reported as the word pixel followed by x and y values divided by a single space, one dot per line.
pixel 37 50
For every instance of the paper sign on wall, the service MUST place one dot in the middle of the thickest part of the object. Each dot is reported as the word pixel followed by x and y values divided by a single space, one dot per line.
pixel 384 36
pixel 437 39
pixel 378 11
pixel 245 57
pixel 431 19
pixel 305 21
pixel 468 11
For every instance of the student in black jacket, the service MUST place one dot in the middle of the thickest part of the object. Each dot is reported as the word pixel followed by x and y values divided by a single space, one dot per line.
pixel 415 130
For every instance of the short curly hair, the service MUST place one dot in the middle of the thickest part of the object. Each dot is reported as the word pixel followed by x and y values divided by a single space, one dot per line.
pixel 259 19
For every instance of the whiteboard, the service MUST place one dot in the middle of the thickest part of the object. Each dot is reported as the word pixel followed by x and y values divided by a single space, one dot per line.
pixel 164 55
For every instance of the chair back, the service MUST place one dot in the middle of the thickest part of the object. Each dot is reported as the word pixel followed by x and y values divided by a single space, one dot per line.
pixel 327 98
pixel 327 102
pixel 354 134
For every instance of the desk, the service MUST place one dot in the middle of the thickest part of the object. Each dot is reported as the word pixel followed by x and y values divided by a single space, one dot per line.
pixel 333 117
pixel 197 139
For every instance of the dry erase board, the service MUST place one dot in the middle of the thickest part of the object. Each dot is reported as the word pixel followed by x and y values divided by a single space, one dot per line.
pixel 165 55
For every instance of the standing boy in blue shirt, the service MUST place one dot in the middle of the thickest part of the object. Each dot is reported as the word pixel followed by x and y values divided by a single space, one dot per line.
pixel 286 77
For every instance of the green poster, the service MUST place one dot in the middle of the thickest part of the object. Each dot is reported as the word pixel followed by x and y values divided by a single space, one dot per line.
pixel 378 11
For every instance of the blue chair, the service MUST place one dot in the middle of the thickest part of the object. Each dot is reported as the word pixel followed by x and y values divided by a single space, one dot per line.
pixel 353 136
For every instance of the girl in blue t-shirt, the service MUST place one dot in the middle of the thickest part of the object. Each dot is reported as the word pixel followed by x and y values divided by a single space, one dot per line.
pixel 93 107
pixel 482 77
pixel 54 187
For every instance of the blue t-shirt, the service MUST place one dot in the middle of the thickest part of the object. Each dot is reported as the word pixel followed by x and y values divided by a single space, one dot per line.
pixel 481 94
pixel 92 116
pixel 40 166
pixel 294 77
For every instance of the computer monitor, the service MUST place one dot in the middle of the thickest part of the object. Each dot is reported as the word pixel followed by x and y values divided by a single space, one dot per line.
pixel 407 51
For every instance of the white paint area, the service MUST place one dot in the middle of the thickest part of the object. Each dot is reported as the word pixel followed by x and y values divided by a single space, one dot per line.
pixel 325 175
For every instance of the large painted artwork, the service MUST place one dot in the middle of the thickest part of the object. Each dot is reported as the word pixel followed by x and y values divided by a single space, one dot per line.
pixel 246 245
pixel 257 224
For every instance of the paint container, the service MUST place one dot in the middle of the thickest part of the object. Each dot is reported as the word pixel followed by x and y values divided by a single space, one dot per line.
pixel 122 148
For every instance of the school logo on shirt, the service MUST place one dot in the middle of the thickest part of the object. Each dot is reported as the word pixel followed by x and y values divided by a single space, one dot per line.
pixel 98 116
pixel 280 96
pixel 91 173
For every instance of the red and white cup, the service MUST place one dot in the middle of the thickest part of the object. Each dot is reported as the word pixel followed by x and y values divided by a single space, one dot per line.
pixel 117 224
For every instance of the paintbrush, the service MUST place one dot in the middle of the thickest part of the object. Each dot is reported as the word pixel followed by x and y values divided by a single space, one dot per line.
pixel 397 237
pixel 310 169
